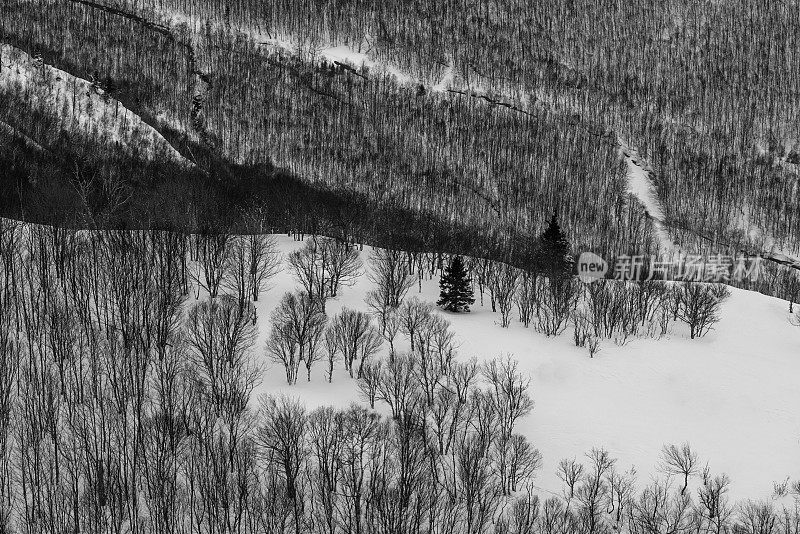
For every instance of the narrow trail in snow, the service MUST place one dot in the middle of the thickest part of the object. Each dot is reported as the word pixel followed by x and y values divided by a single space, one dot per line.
pixel 202 85
pixel 641 186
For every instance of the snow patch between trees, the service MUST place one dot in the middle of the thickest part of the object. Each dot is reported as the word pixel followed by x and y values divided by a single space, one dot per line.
pixel 447 80
pixel 344 54
pixel 330 52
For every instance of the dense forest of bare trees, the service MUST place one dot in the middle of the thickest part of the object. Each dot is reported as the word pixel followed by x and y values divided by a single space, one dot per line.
pixel 711 108
pixel 127 405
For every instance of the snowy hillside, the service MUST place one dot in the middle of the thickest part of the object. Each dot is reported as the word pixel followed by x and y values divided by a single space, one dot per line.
pixel 81 107
pixel 733 395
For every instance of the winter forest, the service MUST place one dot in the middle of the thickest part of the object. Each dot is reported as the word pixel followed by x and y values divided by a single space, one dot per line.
pixel 399 267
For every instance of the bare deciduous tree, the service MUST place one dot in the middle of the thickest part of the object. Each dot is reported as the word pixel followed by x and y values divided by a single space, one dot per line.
pixel 510 401
pixel 213 259
pixel 343 264
pixel 323 265
pixel 398 385
pixel 523 461
pixel 413 313
pixel 254 260
pixel 298 325
pixel 282 436
pixel 680 461
pixel 332 350
pixel 368 380
pixel 355 337
pixel 557 302
pixel 527 296
pixel 699 306
pixel 392 276
pixel 503 281
pixel 220 336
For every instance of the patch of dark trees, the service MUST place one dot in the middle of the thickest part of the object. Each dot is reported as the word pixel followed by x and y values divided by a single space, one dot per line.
pixel 70 187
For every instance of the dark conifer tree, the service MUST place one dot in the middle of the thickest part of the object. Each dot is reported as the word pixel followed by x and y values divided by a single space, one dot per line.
pixel 456 287
pixel 552 257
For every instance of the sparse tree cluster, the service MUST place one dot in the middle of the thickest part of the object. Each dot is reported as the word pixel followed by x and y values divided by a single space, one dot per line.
pixel 323 265
pixel 298 330
pixel 550 299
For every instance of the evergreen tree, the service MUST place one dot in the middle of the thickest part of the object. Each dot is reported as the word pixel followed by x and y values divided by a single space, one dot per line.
pixel 456 287
pixel 553 258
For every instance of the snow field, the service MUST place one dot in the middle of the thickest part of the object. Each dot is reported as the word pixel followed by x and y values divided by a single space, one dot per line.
pixel 733 395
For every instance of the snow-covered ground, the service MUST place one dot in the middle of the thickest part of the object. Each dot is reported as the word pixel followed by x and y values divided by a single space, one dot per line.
pixel 733 395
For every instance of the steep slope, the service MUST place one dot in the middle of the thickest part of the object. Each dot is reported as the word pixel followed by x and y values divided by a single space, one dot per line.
pixel 80 108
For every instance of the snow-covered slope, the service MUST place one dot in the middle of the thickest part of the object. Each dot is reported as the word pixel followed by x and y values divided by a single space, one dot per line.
pixel 733 395
pixel 83 109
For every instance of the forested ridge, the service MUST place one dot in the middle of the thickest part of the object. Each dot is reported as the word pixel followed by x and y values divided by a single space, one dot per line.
pixel 506 112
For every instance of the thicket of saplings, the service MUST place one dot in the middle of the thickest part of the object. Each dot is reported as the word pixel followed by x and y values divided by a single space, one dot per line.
pixel 704 91
pixel 126 405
